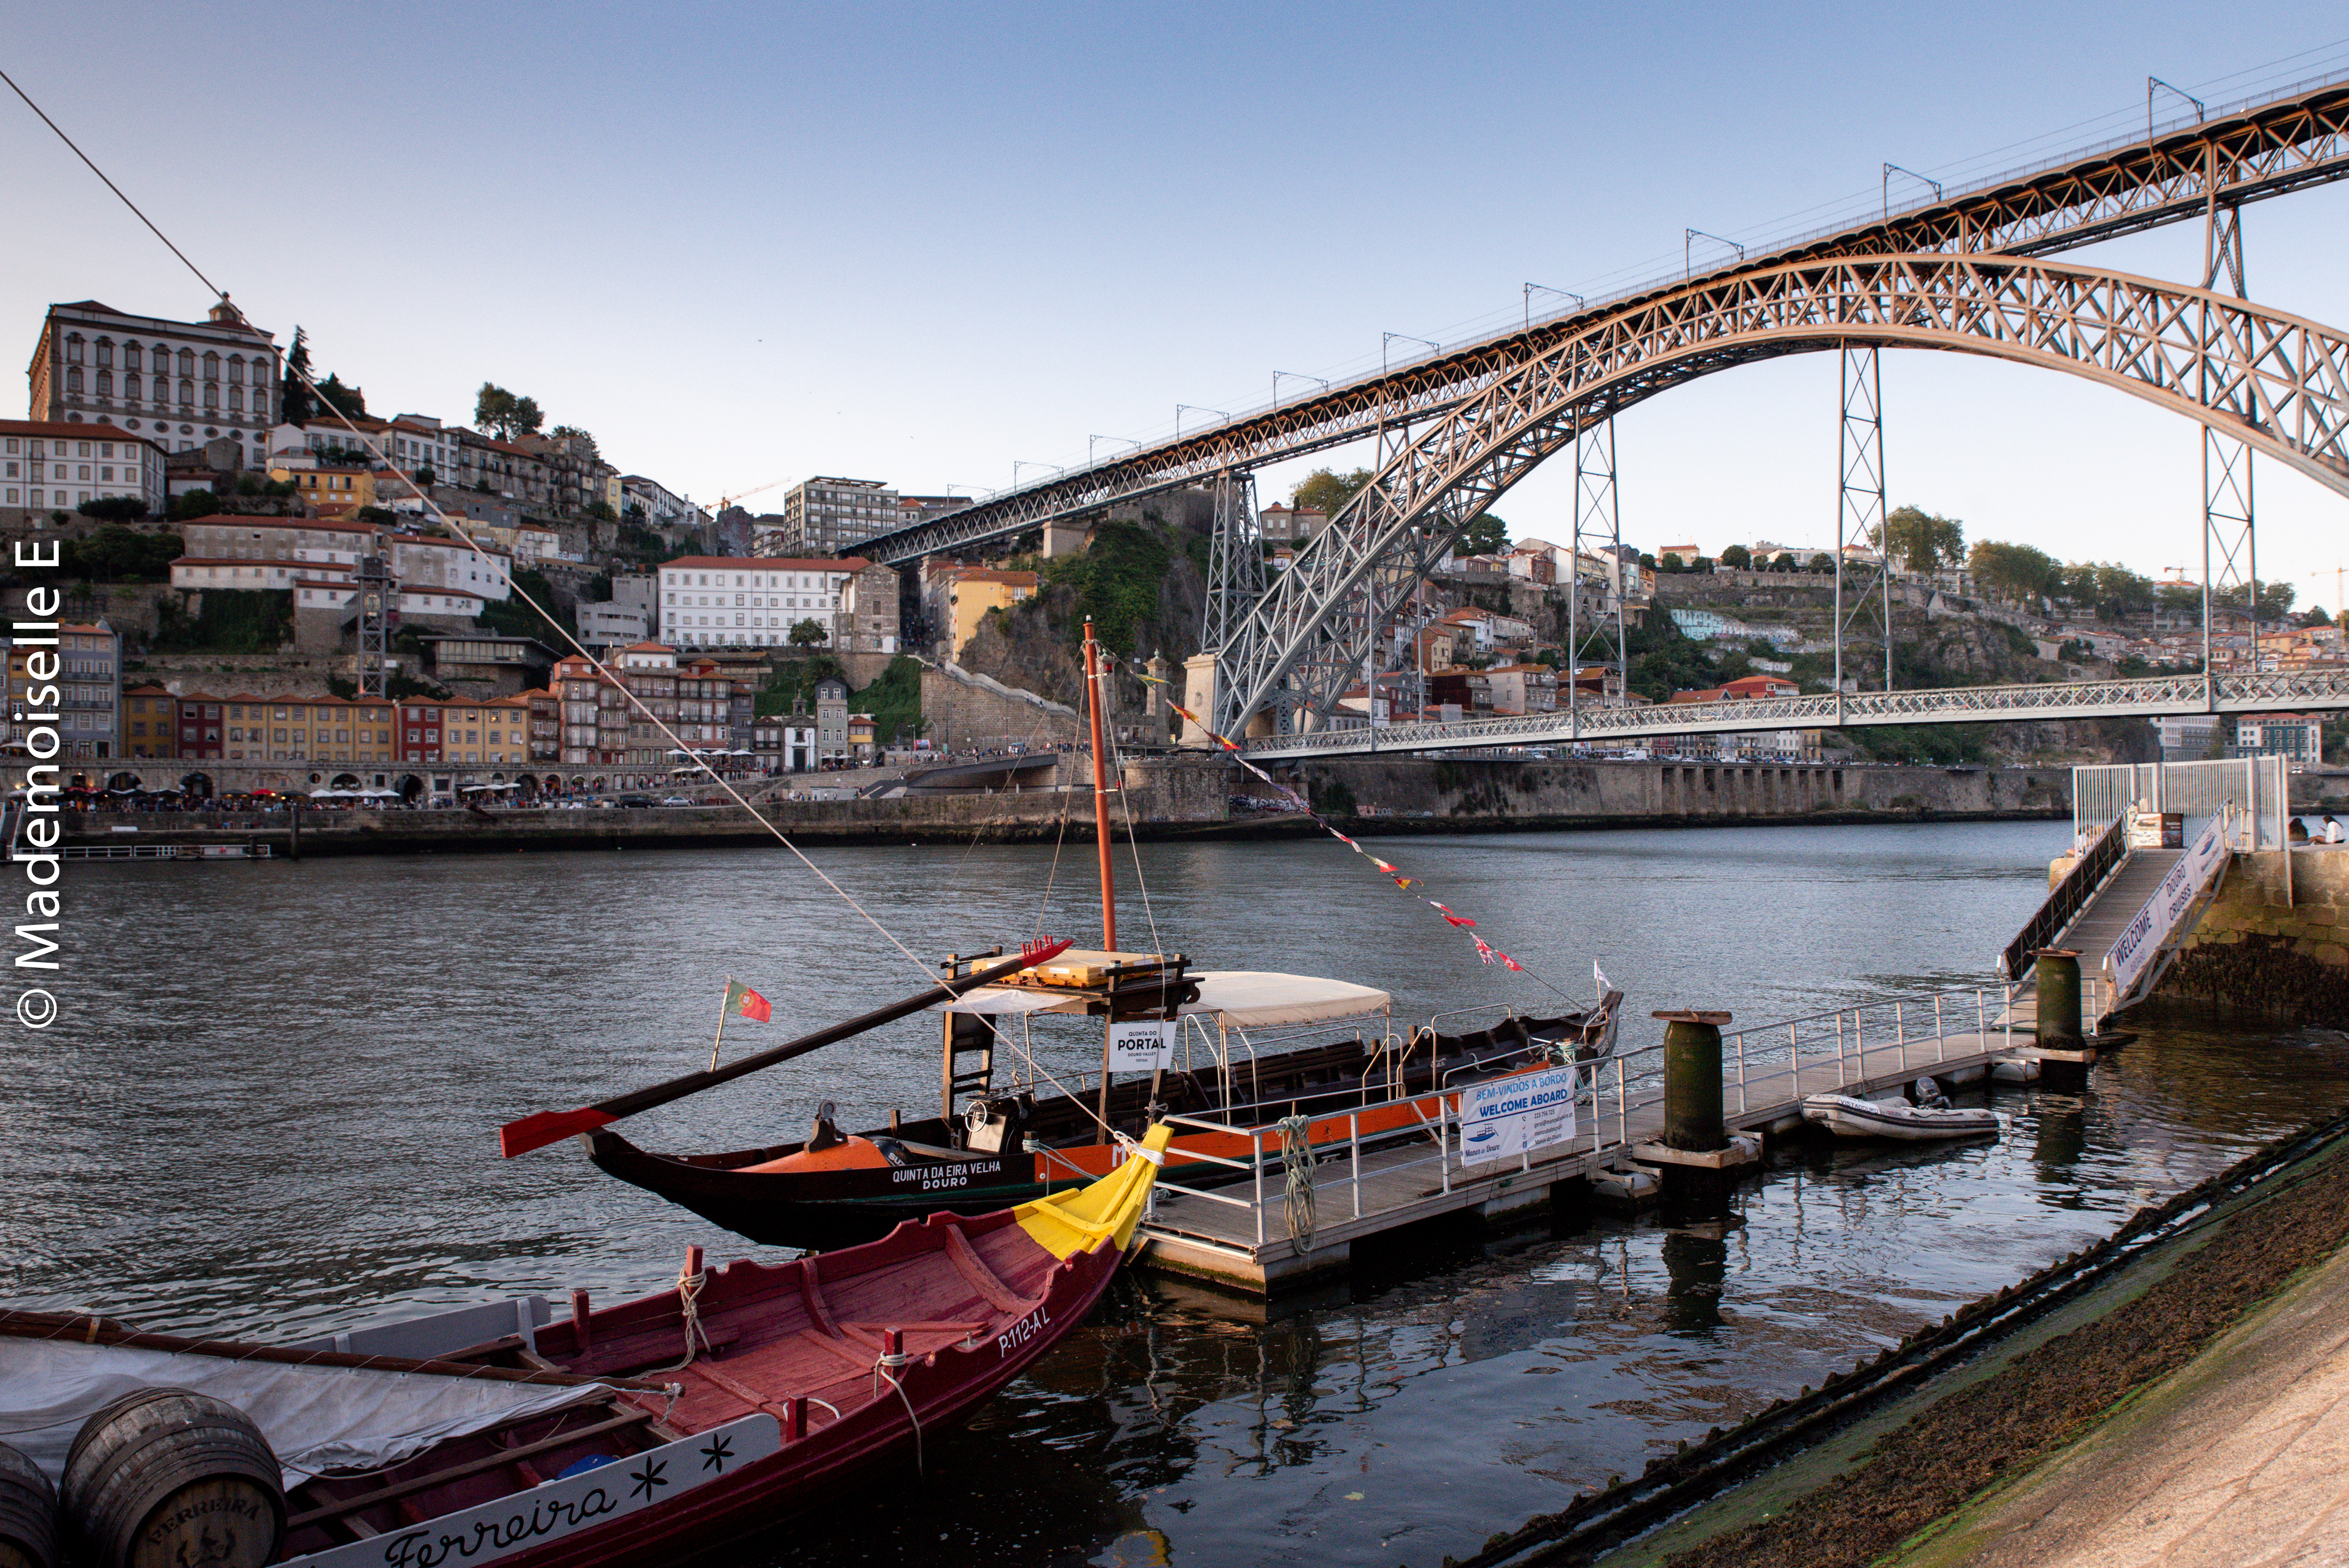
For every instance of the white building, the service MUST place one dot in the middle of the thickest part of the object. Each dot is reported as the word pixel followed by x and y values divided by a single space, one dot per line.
pixel 306 539
pixel 662 508
pixel 828 514
pixel 56 467
pixel 613 625
pixel 176 383
pixel 450 563
pixel 721 600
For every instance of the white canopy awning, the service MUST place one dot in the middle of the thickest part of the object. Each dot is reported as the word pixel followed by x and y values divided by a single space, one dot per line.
pixel 1249 998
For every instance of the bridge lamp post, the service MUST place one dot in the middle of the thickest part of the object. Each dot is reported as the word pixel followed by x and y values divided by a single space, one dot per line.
pixel 1892 169
pixel 1528 292
pixel 1182 408
pixel 1689 237
pixel 1385 338
pixel 2201 110
pixel 1293 375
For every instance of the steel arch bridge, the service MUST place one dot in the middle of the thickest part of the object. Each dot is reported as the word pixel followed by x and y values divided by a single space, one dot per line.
pixel 2277 382
pixel 2285 143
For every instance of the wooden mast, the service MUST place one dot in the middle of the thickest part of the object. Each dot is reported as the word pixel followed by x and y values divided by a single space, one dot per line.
pixel 1101 791
pixel 1100 844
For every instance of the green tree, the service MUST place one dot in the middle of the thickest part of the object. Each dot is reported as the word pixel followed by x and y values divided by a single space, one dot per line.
pixel 1737 558
pixel 2014 570
pixel 2317 616
pixel 114 508
pixel 350 402
pixel 118 554
pixel 1785 562
pixel 505 415
pixel 2180 600
pixel 2276 599
pixel 808 634
pixel 573 432
pixel 195 503
pixel 1670 561
pixel 1325 490
pixel 1486 535
pixel 294 404
pixel 2121 593
pixel 1924 542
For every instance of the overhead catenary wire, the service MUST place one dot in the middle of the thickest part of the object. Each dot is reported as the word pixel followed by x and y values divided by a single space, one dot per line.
pixel 376 450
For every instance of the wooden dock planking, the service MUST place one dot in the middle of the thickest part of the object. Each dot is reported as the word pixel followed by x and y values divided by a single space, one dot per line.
pixel 1195 1236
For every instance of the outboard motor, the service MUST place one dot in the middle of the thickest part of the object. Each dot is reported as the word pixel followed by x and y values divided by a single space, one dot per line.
pixel 1925 1093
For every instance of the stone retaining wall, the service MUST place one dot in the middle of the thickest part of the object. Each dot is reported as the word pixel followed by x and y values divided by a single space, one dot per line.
pixel 2273 943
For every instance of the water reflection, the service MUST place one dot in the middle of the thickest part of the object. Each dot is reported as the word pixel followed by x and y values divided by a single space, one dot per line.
pixel 286 1143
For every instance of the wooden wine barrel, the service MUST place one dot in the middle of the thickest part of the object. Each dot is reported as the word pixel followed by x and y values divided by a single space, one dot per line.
pixel 28 1513
pixel 166 1476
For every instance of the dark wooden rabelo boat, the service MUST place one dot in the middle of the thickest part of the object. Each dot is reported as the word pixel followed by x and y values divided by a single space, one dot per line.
pixel 642 1433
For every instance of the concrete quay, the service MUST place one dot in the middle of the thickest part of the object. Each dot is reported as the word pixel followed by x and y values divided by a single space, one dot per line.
pixel 1170 798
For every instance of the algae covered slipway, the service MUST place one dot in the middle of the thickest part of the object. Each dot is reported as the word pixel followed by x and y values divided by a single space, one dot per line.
pixel 2188 1403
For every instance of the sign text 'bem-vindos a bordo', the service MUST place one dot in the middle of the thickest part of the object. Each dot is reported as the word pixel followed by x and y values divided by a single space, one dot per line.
pixel 1514 1116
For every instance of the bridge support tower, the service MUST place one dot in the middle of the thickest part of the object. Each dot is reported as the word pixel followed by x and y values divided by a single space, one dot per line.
pixel 2230 552
pixel 1597 531
pixel 1864 596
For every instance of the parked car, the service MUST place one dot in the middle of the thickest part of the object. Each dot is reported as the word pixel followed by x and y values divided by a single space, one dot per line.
pixel 635 800
pixel 677 801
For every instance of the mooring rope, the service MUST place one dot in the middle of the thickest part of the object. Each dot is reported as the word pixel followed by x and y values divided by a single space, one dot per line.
pixel 1297 1173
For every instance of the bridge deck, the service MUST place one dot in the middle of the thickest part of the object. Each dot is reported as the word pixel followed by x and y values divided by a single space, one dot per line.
pixel 1189 1234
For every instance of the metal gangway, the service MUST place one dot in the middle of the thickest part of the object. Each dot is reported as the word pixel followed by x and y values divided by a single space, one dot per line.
pixel 2129 899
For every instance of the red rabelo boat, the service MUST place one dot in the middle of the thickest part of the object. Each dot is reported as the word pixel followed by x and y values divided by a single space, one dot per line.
pixel 632 1434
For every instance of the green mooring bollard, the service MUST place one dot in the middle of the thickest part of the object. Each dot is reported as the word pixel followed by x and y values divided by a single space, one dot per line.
pixel 2057 977
pixel 1692 1081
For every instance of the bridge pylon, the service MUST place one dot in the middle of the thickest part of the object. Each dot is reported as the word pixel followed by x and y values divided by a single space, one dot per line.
pixel 1861 519
pixel 1235 584
pixel 2230 544
pixel 1599 535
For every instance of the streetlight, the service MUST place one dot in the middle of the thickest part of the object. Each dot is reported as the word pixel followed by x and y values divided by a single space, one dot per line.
pixel 1193 408
pixel 1293 375
pixel 1091 439
pixel 1528 292
pixel 1687 235
pixel 1892 169
pixel 1387 337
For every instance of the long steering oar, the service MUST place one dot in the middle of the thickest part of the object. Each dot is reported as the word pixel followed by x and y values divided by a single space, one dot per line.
pixel 545 1127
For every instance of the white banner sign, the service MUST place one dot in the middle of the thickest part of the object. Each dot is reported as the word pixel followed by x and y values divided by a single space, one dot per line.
pixel 1141 1045
pixel 2142 939
pixel 1512 1116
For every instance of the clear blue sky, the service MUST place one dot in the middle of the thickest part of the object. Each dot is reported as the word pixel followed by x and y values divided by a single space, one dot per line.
pixel 753 243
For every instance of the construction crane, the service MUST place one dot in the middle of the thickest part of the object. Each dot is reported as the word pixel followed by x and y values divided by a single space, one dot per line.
pixel 725 502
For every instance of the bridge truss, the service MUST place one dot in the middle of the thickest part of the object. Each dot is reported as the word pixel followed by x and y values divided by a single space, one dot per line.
pixel 2280 144
pixel 2048 701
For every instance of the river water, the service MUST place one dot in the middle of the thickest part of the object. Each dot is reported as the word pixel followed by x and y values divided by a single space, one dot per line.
pixel 270 1107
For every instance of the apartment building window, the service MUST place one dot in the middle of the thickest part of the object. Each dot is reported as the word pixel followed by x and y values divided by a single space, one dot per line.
pixel 211 366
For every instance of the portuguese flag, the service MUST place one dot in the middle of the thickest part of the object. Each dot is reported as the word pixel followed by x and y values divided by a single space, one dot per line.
pixel 742 1002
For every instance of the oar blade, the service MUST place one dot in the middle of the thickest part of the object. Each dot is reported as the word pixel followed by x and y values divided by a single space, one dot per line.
pixel 545 1127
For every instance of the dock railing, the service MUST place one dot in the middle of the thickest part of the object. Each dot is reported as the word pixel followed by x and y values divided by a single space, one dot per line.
pixel 1764 1067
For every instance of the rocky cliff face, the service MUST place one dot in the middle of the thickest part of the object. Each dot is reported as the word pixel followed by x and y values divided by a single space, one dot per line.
pixel 1144 584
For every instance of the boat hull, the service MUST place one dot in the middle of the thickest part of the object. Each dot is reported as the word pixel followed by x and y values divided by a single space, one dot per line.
pixel 822 1210
pixel 1848 1116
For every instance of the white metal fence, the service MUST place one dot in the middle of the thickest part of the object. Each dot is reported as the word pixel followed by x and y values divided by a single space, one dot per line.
pixel 1764 1066
pixel 2258 787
